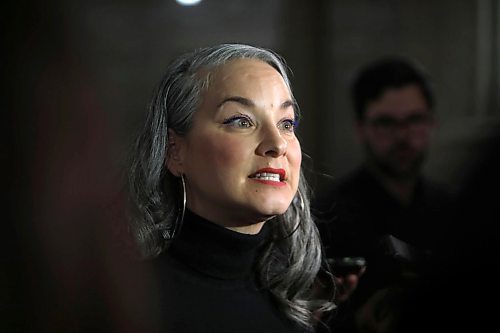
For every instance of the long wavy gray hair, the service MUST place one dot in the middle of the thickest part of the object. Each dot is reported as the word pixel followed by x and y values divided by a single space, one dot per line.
pixel 292 258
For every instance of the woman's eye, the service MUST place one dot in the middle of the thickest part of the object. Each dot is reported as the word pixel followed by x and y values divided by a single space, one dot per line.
pixel 287 125
pixel 239 122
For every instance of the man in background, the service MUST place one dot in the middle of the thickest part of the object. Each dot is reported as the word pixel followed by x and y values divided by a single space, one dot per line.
pixel 385 211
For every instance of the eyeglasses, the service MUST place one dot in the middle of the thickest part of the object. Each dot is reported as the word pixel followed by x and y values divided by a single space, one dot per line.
pixel 389 125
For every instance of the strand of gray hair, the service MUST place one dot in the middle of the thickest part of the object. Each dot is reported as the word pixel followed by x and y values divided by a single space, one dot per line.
pixel 292 261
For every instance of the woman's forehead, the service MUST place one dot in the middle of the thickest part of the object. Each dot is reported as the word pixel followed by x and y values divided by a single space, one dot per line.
pixel 241 73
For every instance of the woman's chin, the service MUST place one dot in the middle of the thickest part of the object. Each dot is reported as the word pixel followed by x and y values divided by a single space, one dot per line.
pixel 272 210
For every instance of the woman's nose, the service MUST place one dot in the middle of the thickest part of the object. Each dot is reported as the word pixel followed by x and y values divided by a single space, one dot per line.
pixel 273 144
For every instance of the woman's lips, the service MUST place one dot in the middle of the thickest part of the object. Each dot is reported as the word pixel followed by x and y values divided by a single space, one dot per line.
pixel 269 176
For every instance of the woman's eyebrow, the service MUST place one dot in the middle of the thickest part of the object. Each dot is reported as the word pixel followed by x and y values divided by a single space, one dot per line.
pixel 247 102
pixel 237 99
pixel 288 103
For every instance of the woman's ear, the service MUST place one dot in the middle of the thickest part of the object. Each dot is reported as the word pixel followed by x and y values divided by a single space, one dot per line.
pixel 175 153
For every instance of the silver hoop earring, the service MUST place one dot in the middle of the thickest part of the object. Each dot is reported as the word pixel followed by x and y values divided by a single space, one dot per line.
pixel 169 234
pixel 301 203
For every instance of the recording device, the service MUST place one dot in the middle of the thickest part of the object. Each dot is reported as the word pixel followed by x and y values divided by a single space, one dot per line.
pixel 399 249
pixel 346 265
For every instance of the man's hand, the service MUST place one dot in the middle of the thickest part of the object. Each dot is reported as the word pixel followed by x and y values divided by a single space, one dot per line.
pixel 346 284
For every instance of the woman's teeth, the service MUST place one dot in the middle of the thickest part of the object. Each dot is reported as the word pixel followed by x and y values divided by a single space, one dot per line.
pixel 267 176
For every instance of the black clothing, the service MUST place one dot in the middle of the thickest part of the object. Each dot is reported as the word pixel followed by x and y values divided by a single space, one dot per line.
pixel 208 283
pixel 358 217
pixel 461 289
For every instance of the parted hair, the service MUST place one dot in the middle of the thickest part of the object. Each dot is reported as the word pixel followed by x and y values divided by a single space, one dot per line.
pixel 292 257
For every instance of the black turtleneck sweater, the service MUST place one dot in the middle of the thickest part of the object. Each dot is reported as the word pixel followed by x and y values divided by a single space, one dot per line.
pixel 207 283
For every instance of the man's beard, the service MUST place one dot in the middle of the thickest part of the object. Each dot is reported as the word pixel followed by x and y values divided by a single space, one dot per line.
pixel 391 167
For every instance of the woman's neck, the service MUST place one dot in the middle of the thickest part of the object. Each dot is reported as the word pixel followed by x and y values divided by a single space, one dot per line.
pixel 244 225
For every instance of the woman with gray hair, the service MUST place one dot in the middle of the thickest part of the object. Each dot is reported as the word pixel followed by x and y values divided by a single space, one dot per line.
pixel 219 200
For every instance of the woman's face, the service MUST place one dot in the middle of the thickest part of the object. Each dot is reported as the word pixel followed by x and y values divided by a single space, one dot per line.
pixel 241 158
